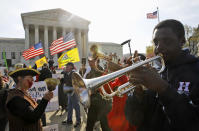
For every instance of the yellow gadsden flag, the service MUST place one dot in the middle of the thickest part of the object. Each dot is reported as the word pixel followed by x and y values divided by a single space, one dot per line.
pixel 69 56
pixel 40 62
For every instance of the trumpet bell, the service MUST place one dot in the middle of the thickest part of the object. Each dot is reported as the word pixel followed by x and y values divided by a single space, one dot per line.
pixel 80 89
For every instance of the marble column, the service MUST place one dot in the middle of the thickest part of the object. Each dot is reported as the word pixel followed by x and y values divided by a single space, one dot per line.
pixel 36 37
pixel 46 40
pixel 86 44
pixel 36 34
pixel 82 43
pixel 63 31
pixel 26 36
pixel 77 36
pixel 79 43
pixel 54 33
pixel 27 42
pixel 54 38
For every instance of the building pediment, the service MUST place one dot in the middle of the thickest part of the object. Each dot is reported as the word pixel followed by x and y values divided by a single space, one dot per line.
pixel 54 17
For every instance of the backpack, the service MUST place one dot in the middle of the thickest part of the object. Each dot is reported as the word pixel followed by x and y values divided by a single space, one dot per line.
pixel 3 98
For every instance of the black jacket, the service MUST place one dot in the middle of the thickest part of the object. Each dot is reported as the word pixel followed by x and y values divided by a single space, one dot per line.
pixel 176 109
pixel 45 73
pixel 67 80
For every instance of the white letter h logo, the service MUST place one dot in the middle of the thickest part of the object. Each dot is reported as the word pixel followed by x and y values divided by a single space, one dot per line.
pixel 185 85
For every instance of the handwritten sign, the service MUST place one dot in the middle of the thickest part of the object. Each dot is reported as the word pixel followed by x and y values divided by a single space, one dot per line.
pixel 38 90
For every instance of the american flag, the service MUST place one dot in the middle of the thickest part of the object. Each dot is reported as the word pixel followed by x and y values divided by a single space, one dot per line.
pixel 62 43
pixel 35 50
pixel 152 15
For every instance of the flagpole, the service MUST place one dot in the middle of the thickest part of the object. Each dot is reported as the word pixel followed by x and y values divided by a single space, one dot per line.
pixel 158 15
pixel 4 57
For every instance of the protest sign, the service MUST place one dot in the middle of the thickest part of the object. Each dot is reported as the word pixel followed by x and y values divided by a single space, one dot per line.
pixel 38 90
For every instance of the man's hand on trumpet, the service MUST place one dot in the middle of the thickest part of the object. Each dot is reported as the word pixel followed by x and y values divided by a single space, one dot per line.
pixel 148 77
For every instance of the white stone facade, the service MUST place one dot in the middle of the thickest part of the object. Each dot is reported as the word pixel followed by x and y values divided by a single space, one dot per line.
pixel 46 26
pixel 13 48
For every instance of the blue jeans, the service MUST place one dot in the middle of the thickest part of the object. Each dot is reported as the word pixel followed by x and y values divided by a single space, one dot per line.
pixel 73 103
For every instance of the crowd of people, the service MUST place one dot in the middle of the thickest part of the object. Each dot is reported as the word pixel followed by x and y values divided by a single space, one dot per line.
pixel 167 101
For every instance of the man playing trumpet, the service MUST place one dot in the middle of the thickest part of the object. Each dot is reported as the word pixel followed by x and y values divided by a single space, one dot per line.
pixel 171 100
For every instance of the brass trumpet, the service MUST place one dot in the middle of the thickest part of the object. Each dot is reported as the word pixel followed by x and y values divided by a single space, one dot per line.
pixel 84 87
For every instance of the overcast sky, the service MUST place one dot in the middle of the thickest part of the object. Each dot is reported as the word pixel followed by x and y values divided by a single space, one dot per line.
pixel 111 20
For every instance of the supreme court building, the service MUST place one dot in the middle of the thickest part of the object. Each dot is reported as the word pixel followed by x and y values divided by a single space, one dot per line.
pixel 46 26
pixel 49 25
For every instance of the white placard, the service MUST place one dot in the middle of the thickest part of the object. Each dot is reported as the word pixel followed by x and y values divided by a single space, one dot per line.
pixel 51 128
pixel 38 90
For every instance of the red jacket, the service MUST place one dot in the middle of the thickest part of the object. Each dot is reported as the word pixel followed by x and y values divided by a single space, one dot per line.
pixel 116 117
